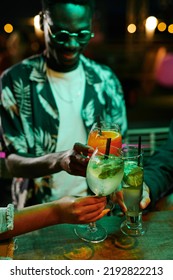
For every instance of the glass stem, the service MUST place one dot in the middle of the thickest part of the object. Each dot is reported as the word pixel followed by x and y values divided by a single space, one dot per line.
pixel 93 227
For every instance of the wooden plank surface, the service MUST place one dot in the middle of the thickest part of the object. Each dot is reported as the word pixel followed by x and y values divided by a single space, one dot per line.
pixel 7 249
pixel 60 242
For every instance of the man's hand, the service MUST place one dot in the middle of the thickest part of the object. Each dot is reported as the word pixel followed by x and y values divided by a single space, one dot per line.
pixel 75 161
pixel 145 197
pixel 117 197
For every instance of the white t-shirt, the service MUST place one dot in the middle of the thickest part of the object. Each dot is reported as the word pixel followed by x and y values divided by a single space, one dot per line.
pixel 68 90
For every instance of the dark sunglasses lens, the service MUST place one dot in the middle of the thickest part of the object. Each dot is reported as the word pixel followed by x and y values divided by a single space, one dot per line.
pixel 62 37
pixel 84 36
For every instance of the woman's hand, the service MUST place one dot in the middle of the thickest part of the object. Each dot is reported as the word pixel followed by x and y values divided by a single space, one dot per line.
pixel 81 210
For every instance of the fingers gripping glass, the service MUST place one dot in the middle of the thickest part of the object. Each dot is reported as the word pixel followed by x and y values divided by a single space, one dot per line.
pixel 63 36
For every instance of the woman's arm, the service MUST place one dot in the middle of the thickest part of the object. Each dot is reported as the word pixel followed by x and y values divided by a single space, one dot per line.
pixel 66 210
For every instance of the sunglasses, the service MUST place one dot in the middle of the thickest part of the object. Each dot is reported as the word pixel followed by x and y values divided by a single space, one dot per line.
pixel 63 36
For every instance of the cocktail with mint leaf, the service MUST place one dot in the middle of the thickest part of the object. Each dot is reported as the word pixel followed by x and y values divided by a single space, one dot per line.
pixel 104 175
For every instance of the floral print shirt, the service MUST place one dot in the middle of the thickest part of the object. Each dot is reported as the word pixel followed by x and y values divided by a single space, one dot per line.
pixel 29 114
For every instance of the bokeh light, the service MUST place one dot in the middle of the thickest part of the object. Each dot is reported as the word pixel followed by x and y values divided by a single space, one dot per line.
pixel 150 26
pixel 151 23
pixel 37 21
pixel 8 28
pixel 170 28
pixel 131 28
pixel 161 26
pixel 37 27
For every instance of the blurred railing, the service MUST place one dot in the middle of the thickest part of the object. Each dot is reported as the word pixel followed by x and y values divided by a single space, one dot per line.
pixel 152 138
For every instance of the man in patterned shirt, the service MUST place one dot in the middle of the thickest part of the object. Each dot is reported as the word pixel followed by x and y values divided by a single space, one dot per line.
pixel 51 100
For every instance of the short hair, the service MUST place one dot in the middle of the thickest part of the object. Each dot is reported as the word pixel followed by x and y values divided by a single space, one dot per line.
pixel 46 4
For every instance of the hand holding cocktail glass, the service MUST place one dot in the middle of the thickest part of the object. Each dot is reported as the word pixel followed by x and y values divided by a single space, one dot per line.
pixel 104 175
pixel 144 202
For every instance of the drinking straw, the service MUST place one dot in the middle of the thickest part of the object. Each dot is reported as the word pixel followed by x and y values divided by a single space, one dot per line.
pixel 99 125
pixel 108 144
pixel 139 149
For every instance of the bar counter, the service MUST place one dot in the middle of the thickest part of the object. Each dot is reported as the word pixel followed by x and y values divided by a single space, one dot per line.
pixel 60 242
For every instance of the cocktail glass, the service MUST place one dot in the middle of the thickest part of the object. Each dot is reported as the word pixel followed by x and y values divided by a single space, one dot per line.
pixel 104 175
pixel 99 134
pixel 132 184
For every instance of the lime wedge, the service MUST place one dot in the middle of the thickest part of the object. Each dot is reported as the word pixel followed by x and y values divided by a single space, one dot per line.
pixel 135 177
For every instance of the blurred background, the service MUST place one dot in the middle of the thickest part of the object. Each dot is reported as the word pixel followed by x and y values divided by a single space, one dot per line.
pixel 133 37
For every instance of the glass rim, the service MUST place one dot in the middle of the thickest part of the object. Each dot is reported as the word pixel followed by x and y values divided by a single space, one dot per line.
pixel 131 148
pixel 120 155
pixel 104 124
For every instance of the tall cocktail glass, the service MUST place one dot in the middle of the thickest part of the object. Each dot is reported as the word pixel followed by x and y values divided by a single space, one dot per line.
pixel 104 175
pixel 132 185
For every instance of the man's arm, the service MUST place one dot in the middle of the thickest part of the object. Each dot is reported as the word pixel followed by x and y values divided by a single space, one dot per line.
pixel 72 161
pixel 158 171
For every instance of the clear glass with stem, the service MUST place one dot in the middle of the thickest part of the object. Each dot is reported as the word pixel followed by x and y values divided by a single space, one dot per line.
pixel 104 175
pixel 98 135
pixel 132 185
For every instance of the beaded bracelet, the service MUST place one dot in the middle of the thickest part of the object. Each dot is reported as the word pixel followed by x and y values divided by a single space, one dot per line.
pixel 6 218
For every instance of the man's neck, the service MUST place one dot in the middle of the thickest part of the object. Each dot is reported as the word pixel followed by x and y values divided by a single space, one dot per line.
pixel 61 68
